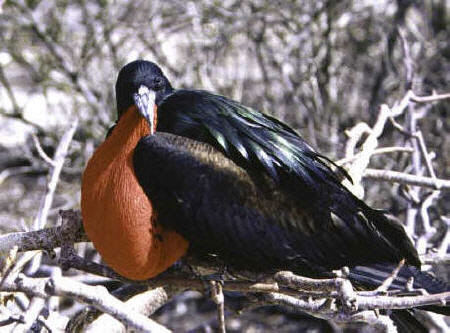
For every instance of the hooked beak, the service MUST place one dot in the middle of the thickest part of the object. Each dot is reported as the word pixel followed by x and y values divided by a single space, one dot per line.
pixel 145 102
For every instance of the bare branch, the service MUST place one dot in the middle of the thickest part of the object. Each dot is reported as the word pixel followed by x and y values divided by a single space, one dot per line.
pixel 406 179
pixel 322 293
pixel 358 169
pixel 100 298
pixel 146 303
pixel 407 302
pixel 44 239
pixel 41 151
pixel 428 99
pixel 423 149
pixel 32 313
pixel 378 151
pixel 387 283
pixel 219 299
pixel 96 296
pixel 58 160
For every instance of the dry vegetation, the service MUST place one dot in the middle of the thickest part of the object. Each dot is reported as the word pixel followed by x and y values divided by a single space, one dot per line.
pixel 325 67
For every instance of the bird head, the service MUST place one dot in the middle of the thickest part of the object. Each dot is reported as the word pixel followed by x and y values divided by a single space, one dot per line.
pixel 141 83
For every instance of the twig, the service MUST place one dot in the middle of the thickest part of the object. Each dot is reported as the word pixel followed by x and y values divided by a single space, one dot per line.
pixel 100 298
pixel 10 93
pixel 288 287
pixel 387 283
pixel 424 209
pixel 423 149
pixel 377 151
pixel 363 302
pixel 443 247
pixel 44 209
pixel 358 169
pixel 146 303
pixel 58 161
pixel 218 298
pixel 6 263
pixel 14 171
pixel 406 179
pixel 13 270
pixel 428 99
pixel 407 302
pixel 44 239
pixel 17 111
pixel 408 62
pixel 310 306
pixel 33 287
pixel 41 151
pixel 32 313
pixel 12 319
pixel 301 283
pixel 96 296
pixel 37 304
pixel 351 301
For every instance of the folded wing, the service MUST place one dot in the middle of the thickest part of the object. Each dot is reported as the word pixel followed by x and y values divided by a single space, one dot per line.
pixel 255 223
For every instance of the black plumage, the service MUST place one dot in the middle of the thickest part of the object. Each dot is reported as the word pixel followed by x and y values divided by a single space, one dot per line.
pixel 315 220
pixel 243 186
pixel 248 137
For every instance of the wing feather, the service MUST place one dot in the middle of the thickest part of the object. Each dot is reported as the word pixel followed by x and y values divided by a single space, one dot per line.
pixel 250 138
pixel 263 145
pixel 222 210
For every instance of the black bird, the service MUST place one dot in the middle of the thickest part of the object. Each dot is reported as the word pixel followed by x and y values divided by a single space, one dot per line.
pixel 246 188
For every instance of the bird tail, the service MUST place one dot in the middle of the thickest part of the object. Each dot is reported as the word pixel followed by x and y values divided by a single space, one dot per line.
pixel 373 276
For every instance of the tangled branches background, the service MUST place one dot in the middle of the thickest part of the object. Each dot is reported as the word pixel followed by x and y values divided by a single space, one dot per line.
pixel 321 66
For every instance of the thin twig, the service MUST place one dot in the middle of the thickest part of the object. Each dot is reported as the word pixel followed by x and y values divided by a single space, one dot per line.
pixel 407 60
pixel 58 160
pixel 146 303
pixel 387 283
pixel 406 179
pixel 218 298
pixel 41 151
pixel 96 296
pixel 428 99
pixel 378 151
pixel 423 149
pixel 100 298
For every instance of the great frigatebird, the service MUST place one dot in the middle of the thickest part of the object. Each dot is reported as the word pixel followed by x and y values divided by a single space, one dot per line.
pixel 192 169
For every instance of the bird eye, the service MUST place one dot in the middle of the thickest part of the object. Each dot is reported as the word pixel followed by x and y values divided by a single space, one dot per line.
pixel 158 83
